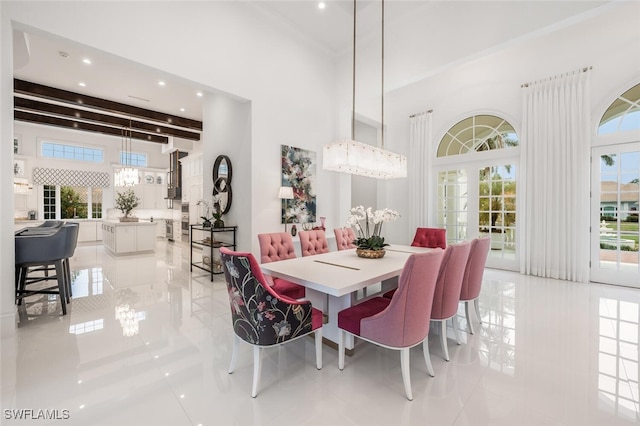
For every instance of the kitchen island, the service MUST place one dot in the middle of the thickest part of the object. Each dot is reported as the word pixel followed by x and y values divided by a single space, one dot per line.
pixel 128 237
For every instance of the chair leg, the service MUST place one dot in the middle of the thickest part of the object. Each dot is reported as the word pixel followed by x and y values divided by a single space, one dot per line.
pixel 466 314
pixel 318 333
pixel 406 372
pixel 341 350
pixel 18 273
pixel 67 277
pixel 61 286
pixel 23 282
pixel 234 354
pixel 443 339
pixel 476 303
pixel 257 366
pixel 456 332
pixel 427 357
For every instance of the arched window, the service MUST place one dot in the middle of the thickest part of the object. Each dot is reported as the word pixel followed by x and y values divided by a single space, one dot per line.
pixel 623 114
pixel 615 193
pixel 476 193
pixel 478 133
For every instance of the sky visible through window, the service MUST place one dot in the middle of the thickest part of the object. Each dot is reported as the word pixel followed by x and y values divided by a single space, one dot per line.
pixel 71 152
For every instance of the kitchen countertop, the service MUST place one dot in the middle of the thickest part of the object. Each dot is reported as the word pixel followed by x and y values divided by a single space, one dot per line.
pixel 116 222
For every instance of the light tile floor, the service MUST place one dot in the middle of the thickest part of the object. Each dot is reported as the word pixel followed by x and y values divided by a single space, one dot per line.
pixel 548 353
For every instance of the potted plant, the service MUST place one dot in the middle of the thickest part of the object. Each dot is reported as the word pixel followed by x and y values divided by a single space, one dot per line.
pixel 212 210
pixel 370 244
pixel 126 202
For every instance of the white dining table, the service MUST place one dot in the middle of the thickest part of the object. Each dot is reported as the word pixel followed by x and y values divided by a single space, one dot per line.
pixel 332 279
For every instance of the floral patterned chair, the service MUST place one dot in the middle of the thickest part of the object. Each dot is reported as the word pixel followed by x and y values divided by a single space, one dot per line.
pixel 260 316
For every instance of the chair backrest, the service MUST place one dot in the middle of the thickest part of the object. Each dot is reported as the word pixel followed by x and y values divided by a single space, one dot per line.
pixel 430 237
pixel 33 248
pixel 403 323
pixel 449 283
pixel 276 246
pixel 72 238
pixel 51 224
pixel 259 315
pixel 313 242
pixel 472 279
pixel 345 238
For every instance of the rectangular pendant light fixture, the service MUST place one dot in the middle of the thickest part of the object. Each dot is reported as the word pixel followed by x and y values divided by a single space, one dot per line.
pixel 357 158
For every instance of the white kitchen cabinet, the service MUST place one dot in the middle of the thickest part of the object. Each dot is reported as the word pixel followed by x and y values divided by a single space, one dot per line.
pixel 87 230
pixel 153 196
pixel 161 228
pixel 128 237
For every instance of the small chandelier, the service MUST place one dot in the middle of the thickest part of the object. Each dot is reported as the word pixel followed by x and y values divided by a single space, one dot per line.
pixel 357 158
pixel 128 175
pixel 128 320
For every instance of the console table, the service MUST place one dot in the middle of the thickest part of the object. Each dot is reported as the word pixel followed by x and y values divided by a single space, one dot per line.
pixel 209 240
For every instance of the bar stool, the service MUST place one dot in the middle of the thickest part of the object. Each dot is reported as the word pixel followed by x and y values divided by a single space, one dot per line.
pixel 42 249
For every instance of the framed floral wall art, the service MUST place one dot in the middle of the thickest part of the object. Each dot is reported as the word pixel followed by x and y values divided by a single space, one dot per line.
pixel 299 172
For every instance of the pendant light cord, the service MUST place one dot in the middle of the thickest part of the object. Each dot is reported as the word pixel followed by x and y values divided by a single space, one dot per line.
pixel 382 78
pixel 353 82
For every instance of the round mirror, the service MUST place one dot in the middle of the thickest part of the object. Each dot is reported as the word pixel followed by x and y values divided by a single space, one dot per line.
pixel 222 173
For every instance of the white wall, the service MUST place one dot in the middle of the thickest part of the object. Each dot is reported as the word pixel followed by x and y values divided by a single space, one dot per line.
pixel 226 47
pixel 609 42
pixel 227 131
pixel 7 251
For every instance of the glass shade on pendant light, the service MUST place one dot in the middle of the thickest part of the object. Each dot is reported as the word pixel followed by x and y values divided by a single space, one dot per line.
pixel 126 176
pixel 357 158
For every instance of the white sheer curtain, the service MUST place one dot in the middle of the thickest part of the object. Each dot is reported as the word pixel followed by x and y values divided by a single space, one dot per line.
pixel 419 166
pixel 555 159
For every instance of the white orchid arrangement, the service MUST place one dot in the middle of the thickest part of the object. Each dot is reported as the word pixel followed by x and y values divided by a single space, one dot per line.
pixel 368 226
pixel 211 208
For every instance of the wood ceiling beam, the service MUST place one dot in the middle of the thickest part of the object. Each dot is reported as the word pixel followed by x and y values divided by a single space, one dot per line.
pixel 81 125
pixel 64 96
pixel 34 106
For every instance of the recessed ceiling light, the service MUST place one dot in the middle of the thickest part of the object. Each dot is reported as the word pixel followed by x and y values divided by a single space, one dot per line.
pixel 199 94
pixel 87 61
pixel 82 84
pixel 182 109
pixel 321 5
pixel 161 83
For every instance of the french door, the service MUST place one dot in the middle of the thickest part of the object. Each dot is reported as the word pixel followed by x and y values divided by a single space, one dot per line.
pixel 615 192
pixel 479 199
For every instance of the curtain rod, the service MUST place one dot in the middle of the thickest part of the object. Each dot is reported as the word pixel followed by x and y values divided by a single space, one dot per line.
pixel 585 69
pixel 421 113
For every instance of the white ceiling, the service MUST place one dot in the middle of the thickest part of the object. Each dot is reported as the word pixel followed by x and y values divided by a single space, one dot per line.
pixel 421 37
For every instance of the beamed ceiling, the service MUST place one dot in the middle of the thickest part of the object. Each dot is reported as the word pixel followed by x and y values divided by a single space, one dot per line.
pixel 37 103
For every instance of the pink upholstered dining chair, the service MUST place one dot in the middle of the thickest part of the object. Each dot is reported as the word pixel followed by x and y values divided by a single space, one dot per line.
pixel 313 242
pixel 472 279
pixel 262 317
pixel 345 238
pixel 448 286
pixel 279 246
pixel 430 237
pixel 398 323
